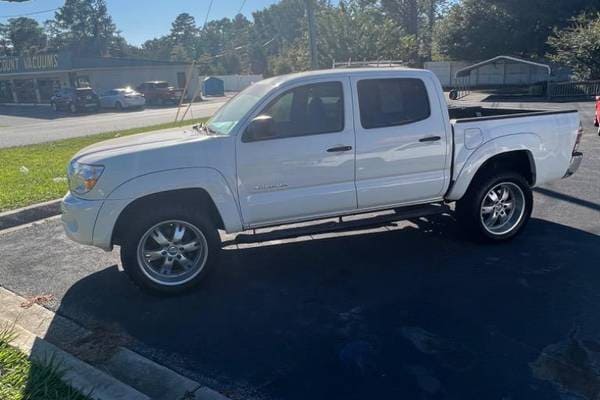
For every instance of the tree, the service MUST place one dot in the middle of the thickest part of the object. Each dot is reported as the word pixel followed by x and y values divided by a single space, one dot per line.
pixel 84 27
pixel 26 35
pixel 358 30
pixel 157 49
pixel 478 29
pixel 6 46
pixel 474 30
pixel 183 38
pixel 578 46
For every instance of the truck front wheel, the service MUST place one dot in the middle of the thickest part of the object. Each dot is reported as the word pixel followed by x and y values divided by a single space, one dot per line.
pixel 171 251
pixel 496 208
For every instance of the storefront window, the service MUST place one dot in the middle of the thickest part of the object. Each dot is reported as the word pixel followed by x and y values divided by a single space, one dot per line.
pixel 25 89
pixel 6 95
pixel 47 87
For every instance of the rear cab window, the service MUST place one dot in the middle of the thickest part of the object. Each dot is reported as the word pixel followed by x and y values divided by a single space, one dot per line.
pixel 392 102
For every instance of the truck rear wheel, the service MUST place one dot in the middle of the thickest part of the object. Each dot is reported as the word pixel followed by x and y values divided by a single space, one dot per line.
pixel 171 251
pixel 496 208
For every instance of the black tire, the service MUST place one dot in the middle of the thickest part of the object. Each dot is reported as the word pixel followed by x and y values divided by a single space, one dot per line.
pixel 142 222
pixel 119 106
pixel 469 209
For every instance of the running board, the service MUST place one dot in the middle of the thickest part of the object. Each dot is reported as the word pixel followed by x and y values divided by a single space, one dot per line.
pixel 341 225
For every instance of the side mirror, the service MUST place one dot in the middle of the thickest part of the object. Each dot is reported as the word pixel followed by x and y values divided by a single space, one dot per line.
pixel 261 128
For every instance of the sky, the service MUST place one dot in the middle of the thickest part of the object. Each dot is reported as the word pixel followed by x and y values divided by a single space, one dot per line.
pixel 140 20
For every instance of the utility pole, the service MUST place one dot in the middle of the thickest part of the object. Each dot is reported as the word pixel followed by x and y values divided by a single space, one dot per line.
pixel 312 34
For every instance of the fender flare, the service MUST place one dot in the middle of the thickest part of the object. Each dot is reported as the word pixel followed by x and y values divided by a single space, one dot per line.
pixel 528 142
pixel 205 178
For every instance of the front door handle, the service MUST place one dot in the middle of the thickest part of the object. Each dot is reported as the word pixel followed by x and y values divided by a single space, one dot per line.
pixel 339 149
pixel 430 139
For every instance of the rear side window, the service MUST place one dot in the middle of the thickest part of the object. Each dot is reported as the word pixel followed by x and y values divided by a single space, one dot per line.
pixel 392 102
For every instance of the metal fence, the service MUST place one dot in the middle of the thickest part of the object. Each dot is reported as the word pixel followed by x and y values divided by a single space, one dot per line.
pixel 461 89
pixel 574 89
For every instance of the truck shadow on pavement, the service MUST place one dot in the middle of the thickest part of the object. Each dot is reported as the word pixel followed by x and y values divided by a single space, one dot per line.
pixel 415 313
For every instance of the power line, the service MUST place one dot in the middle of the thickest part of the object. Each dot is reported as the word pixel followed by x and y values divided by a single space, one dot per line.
pixel 312 34
pixel 28 14
pixel 207 14
pixel 208 59
pixel 242 6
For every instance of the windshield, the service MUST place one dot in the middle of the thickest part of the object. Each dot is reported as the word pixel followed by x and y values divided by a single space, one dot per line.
pixel 230 114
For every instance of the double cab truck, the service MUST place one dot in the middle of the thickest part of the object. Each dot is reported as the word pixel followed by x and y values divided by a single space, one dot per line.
pixel 308 147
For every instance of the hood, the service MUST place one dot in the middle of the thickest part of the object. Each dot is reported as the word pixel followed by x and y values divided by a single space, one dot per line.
pixel 132 156
pixel 133 143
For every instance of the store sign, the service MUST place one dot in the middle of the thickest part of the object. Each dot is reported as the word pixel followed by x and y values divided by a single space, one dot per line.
pixel 35 63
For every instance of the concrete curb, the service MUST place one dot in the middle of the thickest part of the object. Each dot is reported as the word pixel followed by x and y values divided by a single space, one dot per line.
pixel 35 212
pixel 77 373
pixel 121 374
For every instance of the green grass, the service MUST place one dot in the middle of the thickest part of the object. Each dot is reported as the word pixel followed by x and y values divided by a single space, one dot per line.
pixel 22 379
pixel 36 173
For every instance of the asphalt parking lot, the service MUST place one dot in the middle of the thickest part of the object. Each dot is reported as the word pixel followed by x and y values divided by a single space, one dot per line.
pixel 23 125
pixel 411 311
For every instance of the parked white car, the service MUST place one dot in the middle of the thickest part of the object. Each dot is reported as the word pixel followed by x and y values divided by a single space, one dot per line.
pixel 122 98
pixel 304 147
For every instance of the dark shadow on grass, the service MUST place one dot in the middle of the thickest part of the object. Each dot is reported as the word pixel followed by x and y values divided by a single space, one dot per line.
pixel 416 313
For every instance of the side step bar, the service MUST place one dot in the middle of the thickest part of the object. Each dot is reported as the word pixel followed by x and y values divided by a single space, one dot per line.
pixel 349 225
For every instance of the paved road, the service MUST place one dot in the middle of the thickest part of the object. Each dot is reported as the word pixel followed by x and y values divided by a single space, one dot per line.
pixel 412 311
pixel 22 125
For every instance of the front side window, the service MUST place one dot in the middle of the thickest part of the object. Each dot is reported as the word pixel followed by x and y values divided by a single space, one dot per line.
pixel 308 110
pixel 392 102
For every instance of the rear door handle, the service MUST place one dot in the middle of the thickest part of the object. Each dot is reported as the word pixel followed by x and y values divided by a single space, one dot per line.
pixel 339 149
pixel 430 139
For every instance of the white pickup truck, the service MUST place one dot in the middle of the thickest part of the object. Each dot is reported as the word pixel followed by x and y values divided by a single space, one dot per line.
pixel 310 146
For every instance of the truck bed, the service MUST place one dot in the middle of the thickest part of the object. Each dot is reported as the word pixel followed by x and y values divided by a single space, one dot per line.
pixel 478 113
pixel 548 137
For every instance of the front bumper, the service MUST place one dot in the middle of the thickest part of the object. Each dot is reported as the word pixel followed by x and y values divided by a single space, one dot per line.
pixel 575 164
pixel 79 217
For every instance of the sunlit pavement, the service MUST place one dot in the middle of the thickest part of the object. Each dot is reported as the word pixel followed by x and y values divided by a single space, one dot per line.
pixel 23 125
pixel 413 311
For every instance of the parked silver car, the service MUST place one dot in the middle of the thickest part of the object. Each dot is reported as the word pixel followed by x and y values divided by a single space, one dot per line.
pixel 122 98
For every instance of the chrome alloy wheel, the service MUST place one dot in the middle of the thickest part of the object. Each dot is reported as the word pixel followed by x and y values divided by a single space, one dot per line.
pixel 172 252
pixel 502 208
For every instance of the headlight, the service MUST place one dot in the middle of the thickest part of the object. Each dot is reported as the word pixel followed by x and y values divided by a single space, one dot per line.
pixel 83 177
